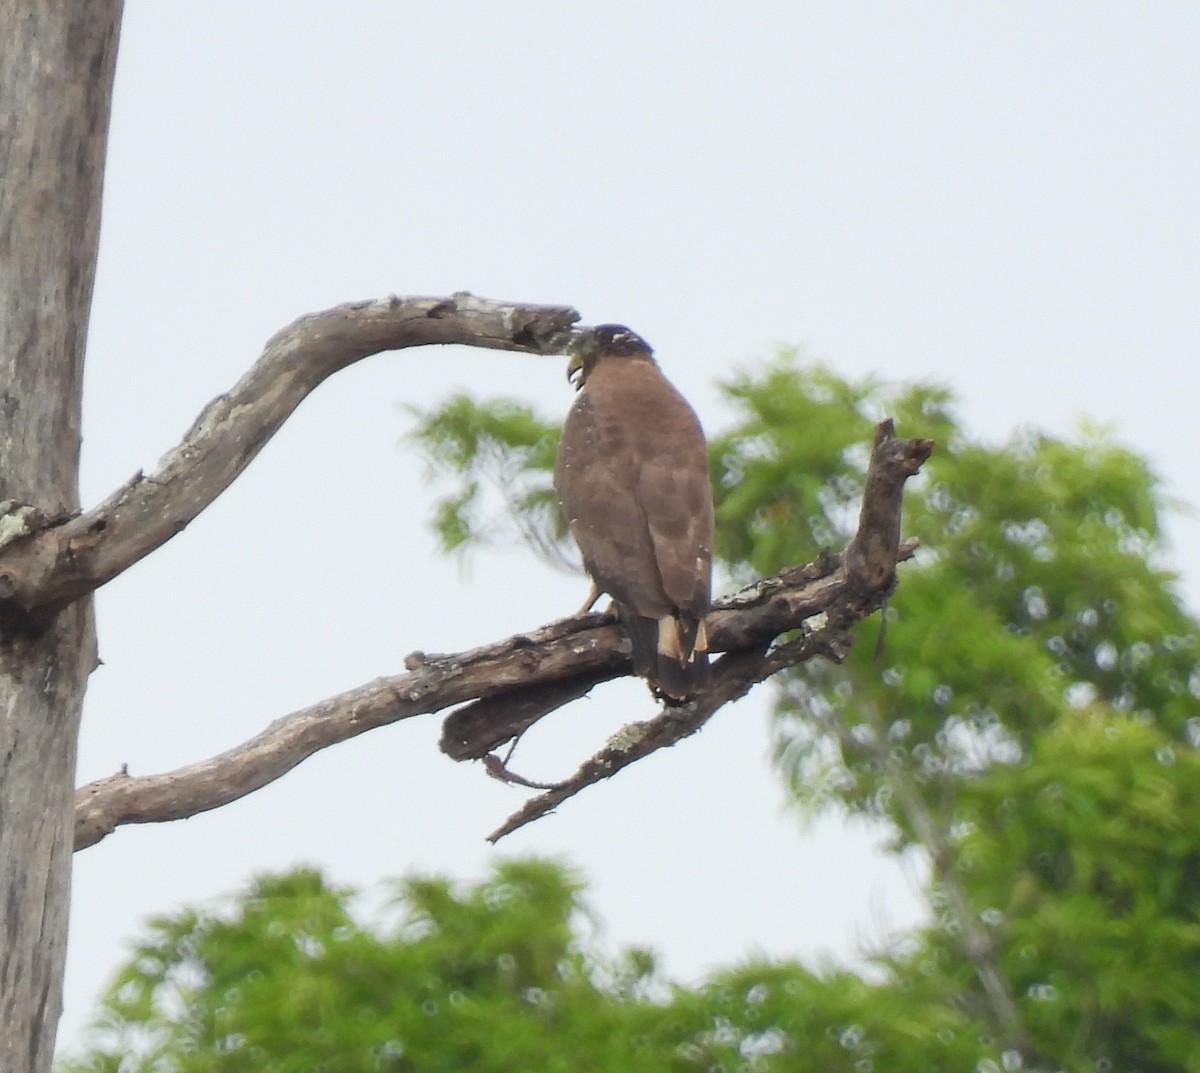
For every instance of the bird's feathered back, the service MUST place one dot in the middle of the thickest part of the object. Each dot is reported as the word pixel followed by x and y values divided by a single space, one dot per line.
pixel 632 476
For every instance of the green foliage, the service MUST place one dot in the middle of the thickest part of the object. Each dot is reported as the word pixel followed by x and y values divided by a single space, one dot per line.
pixel 499 457
pixel 1039 695
pixel 1038 590
pixel 1086 861
pixel 494 977
pixel 779 1016
pixel 789 473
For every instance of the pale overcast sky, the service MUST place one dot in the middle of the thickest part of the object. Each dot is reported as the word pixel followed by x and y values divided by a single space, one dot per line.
pixel 998 196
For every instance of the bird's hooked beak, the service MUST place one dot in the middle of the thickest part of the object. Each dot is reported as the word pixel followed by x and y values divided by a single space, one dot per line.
pixel 575 370
pixel 578 351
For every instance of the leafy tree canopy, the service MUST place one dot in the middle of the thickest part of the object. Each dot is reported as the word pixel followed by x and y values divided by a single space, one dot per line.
pixel 502 975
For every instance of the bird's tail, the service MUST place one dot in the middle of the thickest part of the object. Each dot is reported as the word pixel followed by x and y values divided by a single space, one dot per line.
pixel 671 653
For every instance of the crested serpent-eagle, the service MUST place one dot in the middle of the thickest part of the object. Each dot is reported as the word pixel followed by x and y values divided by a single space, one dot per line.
pixel 632 477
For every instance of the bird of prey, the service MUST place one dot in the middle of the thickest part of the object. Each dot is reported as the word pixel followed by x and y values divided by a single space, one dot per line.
pixel 632 477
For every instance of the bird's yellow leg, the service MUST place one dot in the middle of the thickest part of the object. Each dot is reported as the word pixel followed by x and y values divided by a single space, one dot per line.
pixel 594 594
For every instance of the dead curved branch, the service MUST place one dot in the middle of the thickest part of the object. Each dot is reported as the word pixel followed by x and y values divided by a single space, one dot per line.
pixel 520 679
pixel 46 563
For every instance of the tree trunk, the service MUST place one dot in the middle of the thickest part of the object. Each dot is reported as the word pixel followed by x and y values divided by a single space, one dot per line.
pixel 56 68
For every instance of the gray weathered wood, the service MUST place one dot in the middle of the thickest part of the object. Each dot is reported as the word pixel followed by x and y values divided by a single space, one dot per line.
pixel 45 563
pixel 56 67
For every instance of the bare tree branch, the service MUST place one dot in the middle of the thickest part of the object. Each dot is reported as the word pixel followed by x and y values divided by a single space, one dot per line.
pixel 519 670
pixel 561 649
pixel 46 563
pixel 871 556
pixel 748 619
pixel 520 679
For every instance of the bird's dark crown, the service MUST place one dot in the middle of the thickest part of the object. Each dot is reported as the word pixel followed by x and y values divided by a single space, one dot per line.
pixel 617 339
pixel 604 340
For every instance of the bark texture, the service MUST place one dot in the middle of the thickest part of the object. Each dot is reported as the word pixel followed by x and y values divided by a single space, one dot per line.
pixel 55 94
